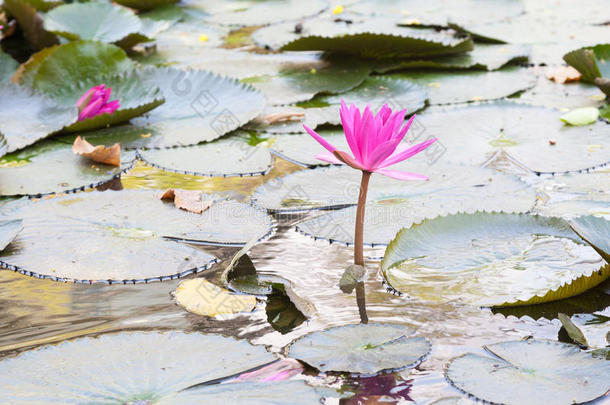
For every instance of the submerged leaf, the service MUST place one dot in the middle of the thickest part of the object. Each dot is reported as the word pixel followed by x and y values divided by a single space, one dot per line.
pixel 492 259
pixel 201 297
pixel 531 372
pixel 99 153
pixel 361 349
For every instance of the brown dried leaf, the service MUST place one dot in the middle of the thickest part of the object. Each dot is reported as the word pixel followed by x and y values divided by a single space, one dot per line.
pixel 188 200
pixel 564 74
pixel 284 117
pixel 99 153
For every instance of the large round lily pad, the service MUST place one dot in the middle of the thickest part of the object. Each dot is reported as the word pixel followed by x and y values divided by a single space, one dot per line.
pixel 94 20
pixel 531 372
pixel 27 116
pixel 227 157
pixel 199 106
pixel 534 137
pixel 369 37
pixel 393 202
pixel 142 368
pixel 492 259
pixel 595 231
pixel 467 86
pixel 361 349
pixel 51 167
pixel 124 236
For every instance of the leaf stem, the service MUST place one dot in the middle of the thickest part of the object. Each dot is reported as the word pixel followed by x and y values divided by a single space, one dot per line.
pixel 359 232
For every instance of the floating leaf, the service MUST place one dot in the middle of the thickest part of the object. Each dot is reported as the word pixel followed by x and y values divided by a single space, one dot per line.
pixel 259 13
pixel 199 106
pixel 564 74
pixel 99 153
pixel 201 297
pixel 8 231
pixel 460 87
pixel 145 4
pixel 588 330
pixel 531 372
pixel 492 259
pixel 361 349
pixel 225 157
pixel 27 116
pixel 519 133
pixel 595 231
pixel 573 331
pixel 31 23
pixel 391 203
pixel 301 148
pixel 482 57
pixel 8 66
pixel 124 235
pixel 370 38
pixel 51 167
pixel 96 21
pixel 188 200
pixel 591 62
pixel 140 367
pixel 581 116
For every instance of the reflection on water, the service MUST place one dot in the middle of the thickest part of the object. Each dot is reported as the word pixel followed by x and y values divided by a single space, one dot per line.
pixel 37 311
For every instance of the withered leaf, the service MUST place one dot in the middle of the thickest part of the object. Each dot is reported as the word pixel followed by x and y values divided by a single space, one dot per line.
pixel 189 200
pixel 99 153
pixel 564 74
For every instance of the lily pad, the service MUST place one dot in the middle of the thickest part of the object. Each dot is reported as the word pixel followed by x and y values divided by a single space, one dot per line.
pixel 591 62
pixel 143 367
pixel 27 116
pixel 145 4
pixel 589 330
pixel 94 20
pixel 301 148
pixel 199 107
pixel 295 84
pixel 124 236
pixel 370 37
pixel 201 297
pixel 492 259
pixel 595 231
pixel 31 23
pixel 531 372
pixel 468 86
pixel 251 13
pixel 227 157
pixel 392 203
pixel 8 231
pixel 8 66
pixel 51 167
pixel 482 57
pixel 533 137
pixel 366 349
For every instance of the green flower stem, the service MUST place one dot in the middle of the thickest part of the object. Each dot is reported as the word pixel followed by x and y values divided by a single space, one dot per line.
pixel 359 232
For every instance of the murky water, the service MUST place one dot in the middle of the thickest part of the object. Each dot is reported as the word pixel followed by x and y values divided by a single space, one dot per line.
pixel 35 312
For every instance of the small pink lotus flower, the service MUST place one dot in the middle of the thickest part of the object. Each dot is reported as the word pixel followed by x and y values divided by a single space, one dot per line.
pixel 375 141
pixel 95 102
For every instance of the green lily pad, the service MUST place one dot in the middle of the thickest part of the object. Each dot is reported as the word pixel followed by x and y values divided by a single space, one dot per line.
pixel 295 84
pixel 595 231
pixel 94 20
pixel 531 372
pixel 572 330
pixel 492 259
pixel 146 367
pixel 31 23
pixel 533 137
pixel 199 107
pixel 482 57
pixel 124 236
pixel 27 116
pixel 227 157
pixel 8 66
pixel 450 189
pixel 63 66
pixel 50 167
pixel 301 148
pixel 371 37
pixel 8 231
pixel 199 296
pixel 581 116
pixel 145 4
pixel 588 330
pixel 361 349
pixel 468 86
pixel 591 62
pixel 252 13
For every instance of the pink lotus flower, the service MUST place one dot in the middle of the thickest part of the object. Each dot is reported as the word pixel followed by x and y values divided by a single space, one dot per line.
pixel 95 102
pixel 375 141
